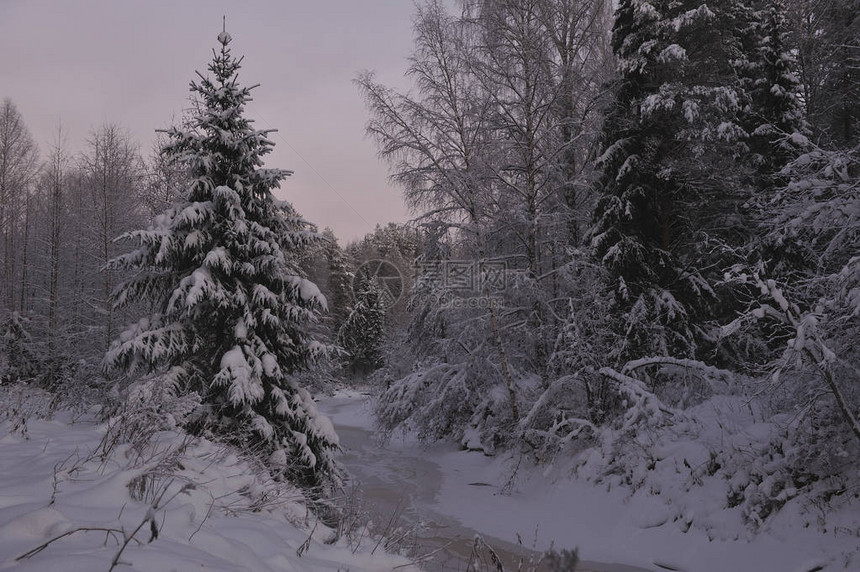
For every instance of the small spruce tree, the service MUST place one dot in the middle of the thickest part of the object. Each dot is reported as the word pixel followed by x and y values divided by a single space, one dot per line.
pixel 363 332
pixel 231 308
pixel 19 357
pixel 339 279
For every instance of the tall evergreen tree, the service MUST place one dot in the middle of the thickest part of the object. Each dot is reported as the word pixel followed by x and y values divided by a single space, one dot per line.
pixel 673 124
pixel 633 231
pixel 826 34
pixel 774 119
pixel 231 309
pixel 768 72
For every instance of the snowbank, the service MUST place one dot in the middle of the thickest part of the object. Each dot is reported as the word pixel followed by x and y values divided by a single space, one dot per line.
pixel 671 514
pixel 179 504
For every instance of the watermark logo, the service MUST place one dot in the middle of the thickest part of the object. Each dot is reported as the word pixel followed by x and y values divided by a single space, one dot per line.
pixel 453 284
pixel 462 276
pixel 470 303
pixel 385 275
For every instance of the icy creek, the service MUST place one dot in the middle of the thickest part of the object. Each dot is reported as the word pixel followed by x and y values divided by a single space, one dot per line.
pixel 404 479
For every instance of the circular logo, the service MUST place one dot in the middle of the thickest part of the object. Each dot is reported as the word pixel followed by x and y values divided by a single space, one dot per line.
pixel 385 275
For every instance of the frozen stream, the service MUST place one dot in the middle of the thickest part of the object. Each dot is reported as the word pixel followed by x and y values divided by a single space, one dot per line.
pixel 406 479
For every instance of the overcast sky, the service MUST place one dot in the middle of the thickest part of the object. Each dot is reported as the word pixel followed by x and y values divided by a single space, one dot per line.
pixel 85 63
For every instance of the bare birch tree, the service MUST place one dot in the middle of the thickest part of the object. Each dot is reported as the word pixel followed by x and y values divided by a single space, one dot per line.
pixel 112 170
pixel 18 167
pixel 488 150
pixel 54 183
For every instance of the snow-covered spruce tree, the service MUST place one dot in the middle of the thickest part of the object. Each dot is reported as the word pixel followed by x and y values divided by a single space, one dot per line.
pixel 632 234
pixel 339 278
pixel 231 309
pixel 768 72
pixel 827 38
pixel 363 333
pixel 662 213
pixel 19 356
pixel 770 114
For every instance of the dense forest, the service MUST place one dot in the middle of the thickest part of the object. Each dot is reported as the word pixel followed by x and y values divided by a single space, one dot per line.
pixel 623 221
pixel 675 207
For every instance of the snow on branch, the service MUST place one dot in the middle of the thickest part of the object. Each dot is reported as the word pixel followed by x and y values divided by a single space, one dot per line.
pixel 705 370
pixel 641 403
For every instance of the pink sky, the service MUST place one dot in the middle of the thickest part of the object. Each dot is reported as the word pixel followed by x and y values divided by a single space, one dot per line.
pixel 129 62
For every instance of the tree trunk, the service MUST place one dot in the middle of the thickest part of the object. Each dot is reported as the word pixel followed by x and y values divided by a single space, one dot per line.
pixel 23 303
pixel 506 372
pixel 54 290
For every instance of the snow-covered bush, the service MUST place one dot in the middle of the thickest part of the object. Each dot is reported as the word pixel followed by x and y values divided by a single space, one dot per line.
pixel 588 392
pixel 149 405
pixel 21 402
pixel 74 382
pixel 814 295
pixel 585 341
pixel 460 368
pixel 558 417
pixel 725 466
pixel 436 400
pixel 783 459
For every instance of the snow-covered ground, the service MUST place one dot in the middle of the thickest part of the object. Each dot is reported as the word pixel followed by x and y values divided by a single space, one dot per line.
pixel 463 490
pixel 210 509
pixel 71 494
